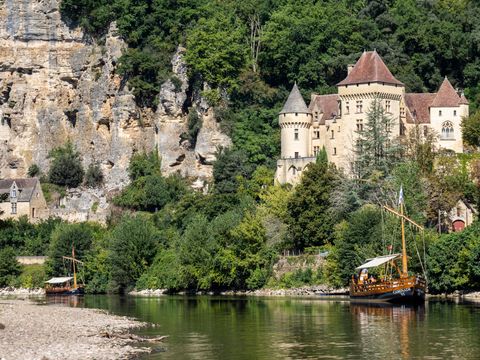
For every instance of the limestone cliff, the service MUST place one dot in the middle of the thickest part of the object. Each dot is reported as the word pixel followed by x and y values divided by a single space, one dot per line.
pixel 56 84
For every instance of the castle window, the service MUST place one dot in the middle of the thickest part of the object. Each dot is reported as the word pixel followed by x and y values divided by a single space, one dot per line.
pixel 316 150
pixel 454 112
pixel 296 114
pixel 333 135
pixel 347 108
pixel 387 106
pixel 402 129
pixel 296 155
pixel 359 125
pixel 295 134
pixel 439 112
pixel 425 130
pixel 14 208
pixel 316 134
pixel 402 111
pixel 447 131
pixel 334 151
pixel 359 106
pixel 316 115
pixel 13 193
pixel 294 171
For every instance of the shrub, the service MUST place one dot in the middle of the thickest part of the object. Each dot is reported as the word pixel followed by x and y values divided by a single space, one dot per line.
pixel 33 170
pixel 9 266
pixel 66 168
pixel 94 175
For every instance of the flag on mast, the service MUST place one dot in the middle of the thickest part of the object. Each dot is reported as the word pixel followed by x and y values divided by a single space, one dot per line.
pixel 400 195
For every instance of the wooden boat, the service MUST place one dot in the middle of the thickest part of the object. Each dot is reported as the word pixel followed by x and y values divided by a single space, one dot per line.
pixel 401 288
pixel 66 285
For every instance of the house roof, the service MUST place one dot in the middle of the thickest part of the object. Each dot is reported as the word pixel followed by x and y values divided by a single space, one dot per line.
pixel 295 102
pixel 419 107
pixel 327 104
pixel 370 68
pixel 25 187
pixel 446 96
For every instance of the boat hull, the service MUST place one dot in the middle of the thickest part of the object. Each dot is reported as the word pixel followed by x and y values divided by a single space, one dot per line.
pixel 405 290
pixel 65 291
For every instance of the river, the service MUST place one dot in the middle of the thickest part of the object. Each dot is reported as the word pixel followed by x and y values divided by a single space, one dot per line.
pixel 205 327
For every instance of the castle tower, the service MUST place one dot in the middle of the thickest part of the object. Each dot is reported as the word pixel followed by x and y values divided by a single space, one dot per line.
pixel 295 120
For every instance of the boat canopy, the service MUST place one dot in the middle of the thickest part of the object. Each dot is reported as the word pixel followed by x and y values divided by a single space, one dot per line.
pixel 378 261
pixel 58 280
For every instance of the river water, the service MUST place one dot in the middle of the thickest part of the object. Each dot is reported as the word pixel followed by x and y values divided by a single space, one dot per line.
pixel 206 327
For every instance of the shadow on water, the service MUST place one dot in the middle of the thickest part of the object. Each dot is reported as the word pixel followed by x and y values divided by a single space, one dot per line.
pixel 209 327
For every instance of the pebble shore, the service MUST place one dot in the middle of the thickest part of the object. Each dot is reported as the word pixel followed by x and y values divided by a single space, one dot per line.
pixel 30 331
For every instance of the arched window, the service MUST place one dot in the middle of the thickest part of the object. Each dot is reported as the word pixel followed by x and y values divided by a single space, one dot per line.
pixel 447 130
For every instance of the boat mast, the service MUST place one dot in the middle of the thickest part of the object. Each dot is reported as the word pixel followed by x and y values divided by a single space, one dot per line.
pixel 74 272
pixel 404 247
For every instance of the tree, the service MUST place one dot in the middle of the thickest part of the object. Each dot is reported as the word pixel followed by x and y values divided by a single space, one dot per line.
pixel 133 245
pixel 66 167
pixel 376 149
pixel 33 170
pixel 143 164
pixel 94 175
pixel 9 266
pixel 309 218
pixel 471 129
pixel 63 239
pixel 228 168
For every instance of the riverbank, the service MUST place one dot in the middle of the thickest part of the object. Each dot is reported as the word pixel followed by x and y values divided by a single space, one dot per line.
pixel 316 290
pixel 32 331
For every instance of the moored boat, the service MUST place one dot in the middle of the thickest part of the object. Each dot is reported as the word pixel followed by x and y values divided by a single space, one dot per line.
pixel 67 285
pixel 396 288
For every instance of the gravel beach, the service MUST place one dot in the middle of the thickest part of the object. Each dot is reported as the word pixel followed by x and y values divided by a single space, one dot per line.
pixel 31 331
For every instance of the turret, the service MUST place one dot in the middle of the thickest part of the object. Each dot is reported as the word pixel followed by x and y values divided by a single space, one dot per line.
pixel 295 120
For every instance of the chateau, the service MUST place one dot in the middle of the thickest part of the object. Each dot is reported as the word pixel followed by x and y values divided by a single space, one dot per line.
pixel 333 121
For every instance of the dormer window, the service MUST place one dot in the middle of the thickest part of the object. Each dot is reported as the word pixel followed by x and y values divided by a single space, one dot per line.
pixel 13 193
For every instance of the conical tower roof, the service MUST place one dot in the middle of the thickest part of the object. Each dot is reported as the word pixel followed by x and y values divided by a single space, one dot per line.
pixel 370 68
pixel 446 96
pixel 295 103
pixel 463 100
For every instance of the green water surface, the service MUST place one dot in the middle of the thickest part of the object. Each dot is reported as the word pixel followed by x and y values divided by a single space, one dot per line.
pixel 206 327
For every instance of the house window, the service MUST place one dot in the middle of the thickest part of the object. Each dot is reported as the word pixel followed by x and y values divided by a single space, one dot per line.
pixel 296 155
pixel 334 151
pixel 387 106
pixel 14 207
pixel 447 131
pixel 439 112
pixel 359 125
pixel 316 133
pixel 296 114
pixel 294 171
pixel 316 115
pixel 316 150
pixel 347 108
pixel 402 111
pixel 454 112
pixel 402 129
pixel 33 212
pixel 333 135
pixel 295 134
pixel 13 193
pixel 359 106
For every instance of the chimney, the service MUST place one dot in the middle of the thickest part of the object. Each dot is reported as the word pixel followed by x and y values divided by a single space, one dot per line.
pixel 349 68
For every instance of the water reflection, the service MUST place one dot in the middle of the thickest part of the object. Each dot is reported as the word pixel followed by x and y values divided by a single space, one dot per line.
pixel 285 328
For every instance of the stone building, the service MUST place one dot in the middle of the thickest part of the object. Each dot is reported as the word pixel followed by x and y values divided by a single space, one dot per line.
pixel 462 215
pixel 22 197
pixel 333 121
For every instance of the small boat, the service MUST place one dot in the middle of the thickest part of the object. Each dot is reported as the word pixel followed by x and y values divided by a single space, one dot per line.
pixel 398 288
pixel 66 285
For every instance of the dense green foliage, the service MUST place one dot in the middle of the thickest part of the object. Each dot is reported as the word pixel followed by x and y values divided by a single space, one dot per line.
pixel 94 175
pixel 33 170
pixel 66 166
pixel 9 266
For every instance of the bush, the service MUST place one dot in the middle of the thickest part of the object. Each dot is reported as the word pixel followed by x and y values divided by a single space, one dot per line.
pixel 9 266
pixel 66 168
pixel 143 164
pixel 31 277
pixel 94 175
pixel 33 170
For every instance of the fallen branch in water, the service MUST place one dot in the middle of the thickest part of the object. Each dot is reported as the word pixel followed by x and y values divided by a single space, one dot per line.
pixel 132 337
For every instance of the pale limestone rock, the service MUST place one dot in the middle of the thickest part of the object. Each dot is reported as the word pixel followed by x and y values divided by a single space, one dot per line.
pixel 56 85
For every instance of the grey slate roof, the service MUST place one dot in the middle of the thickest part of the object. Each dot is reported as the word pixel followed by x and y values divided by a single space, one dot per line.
pixel 295 103
pixel 25 188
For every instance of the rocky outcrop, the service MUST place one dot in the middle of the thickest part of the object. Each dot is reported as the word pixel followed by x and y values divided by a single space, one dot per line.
pixel 57 85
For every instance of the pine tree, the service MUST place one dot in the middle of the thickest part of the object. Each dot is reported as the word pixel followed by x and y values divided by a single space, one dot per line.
pixel 377 150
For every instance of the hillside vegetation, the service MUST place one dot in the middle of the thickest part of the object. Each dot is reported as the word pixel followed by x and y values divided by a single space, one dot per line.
pixel 162 234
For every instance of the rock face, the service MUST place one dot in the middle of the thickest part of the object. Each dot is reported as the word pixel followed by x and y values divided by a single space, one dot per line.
pixel 57 85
